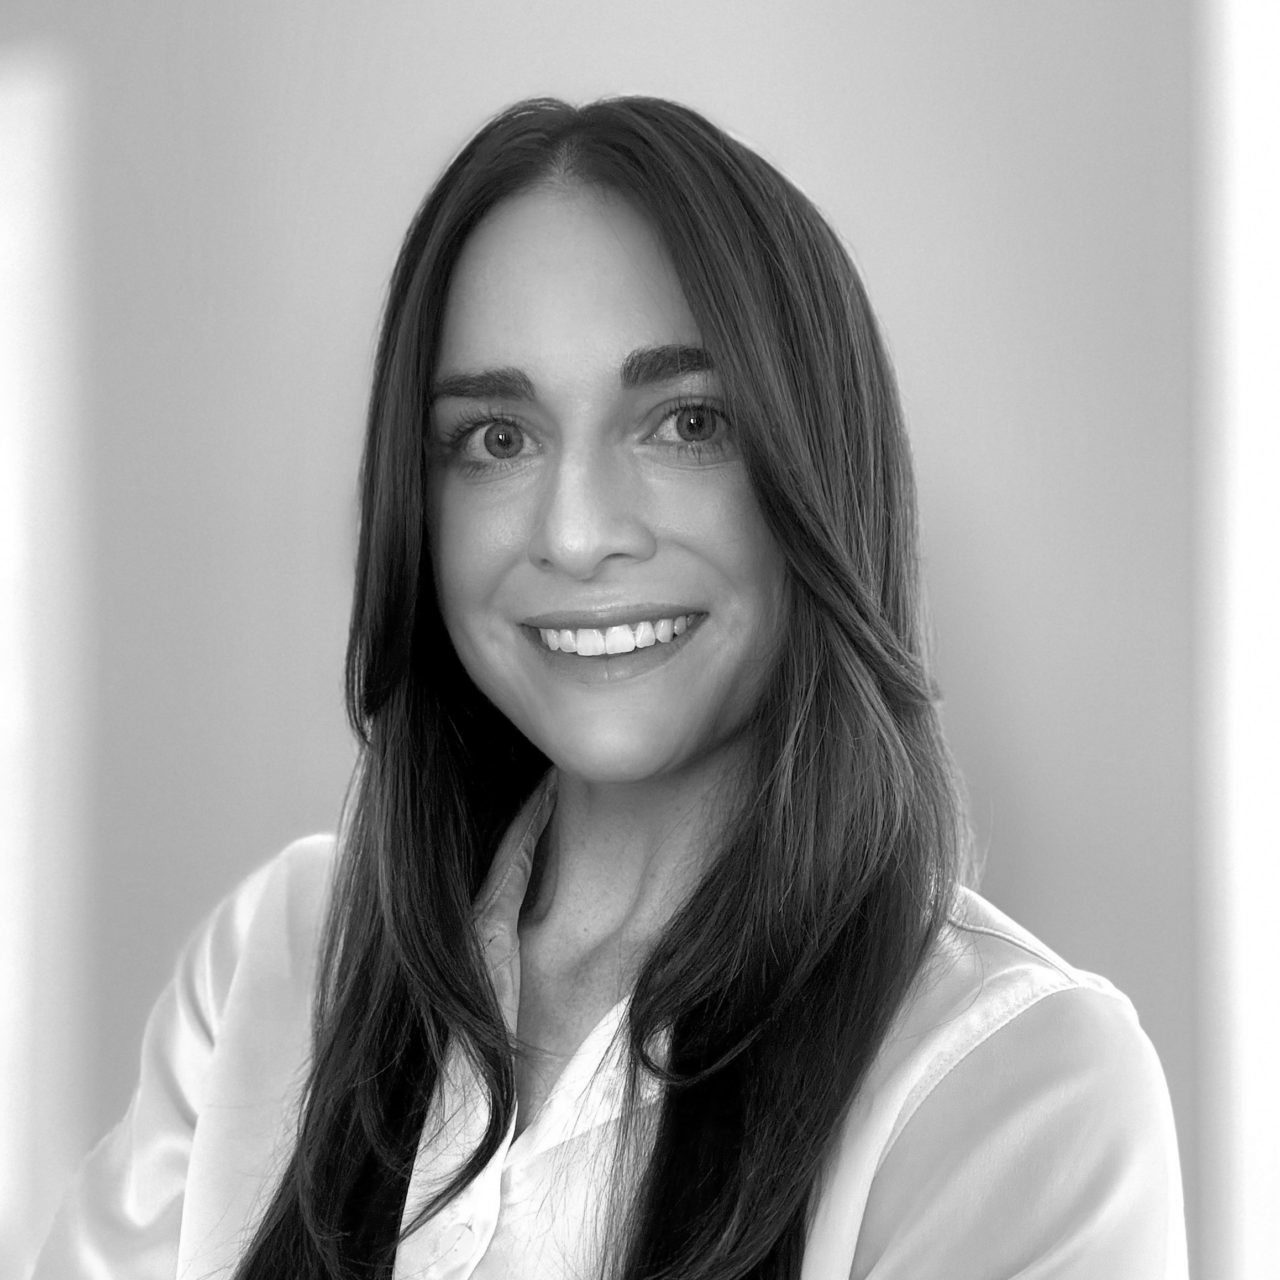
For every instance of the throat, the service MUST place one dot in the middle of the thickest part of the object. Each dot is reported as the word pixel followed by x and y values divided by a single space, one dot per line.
pixel 560 1006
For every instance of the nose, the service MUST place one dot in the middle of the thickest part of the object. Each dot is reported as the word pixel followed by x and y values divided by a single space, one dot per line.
pixel 591 514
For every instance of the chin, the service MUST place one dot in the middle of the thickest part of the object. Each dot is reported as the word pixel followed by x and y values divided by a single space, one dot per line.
pixel 616 751
pixel 611 762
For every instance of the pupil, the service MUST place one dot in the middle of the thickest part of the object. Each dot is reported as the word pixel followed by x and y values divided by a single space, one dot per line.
pixel 502 440
pixel 695 424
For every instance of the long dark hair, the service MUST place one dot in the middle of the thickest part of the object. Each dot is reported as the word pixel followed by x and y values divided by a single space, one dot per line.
pixel 777 981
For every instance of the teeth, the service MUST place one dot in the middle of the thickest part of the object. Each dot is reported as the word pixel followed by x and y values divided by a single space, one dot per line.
pixel 619 640
pixel 590 642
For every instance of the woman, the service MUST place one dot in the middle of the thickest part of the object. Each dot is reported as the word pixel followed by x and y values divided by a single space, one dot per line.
pixel 643 953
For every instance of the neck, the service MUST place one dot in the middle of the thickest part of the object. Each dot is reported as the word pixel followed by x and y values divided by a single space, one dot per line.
pixel 617 860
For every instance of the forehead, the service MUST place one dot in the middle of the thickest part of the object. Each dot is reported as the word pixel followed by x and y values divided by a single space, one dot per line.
pixel 561 280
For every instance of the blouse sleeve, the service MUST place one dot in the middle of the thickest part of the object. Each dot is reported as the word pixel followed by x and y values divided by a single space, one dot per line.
pixel 122 1215
pixel 1047 1153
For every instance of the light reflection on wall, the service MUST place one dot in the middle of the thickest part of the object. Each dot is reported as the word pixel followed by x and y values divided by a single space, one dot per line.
pixel 41 651
pixel 1241 744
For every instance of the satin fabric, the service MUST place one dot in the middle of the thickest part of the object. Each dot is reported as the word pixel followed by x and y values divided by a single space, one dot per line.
pixel 1016 1122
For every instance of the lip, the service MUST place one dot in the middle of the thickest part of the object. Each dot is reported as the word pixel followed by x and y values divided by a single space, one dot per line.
pixel 608 616
pixel 612 667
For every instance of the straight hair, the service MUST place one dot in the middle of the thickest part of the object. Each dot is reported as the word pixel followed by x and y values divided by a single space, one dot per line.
pixel 774 985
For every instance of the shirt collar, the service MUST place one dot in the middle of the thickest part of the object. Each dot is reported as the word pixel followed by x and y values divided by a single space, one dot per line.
pixel 587 1095
pixel 497 909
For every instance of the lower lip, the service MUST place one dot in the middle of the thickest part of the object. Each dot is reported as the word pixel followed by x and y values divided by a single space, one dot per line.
pixel 609 668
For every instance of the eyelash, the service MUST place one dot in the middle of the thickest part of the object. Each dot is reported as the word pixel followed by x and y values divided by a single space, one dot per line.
pixel 698 449
pixel 465 428
pixel 459 434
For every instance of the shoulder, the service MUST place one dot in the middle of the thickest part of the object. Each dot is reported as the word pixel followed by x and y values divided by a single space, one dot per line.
pixel 267 927
pixel 983 977
pixel 220 1067
pixel 1017 1111
pixel 291 889
pixel 297 878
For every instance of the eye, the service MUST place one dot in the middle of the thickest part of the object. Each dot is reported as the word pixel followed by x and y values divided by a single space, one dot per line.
pixel 696 424
pixel 695 431
pixel 484 445
pixel 503 440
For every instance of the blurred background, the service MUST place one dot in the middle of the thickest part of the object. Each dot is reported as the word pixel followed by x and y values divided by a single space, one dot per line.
pixel 1051 204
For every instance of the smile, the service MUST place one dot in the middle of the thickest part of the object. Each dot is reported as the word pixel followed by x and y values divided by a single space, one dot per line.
pixel 595 642
pixel 617 648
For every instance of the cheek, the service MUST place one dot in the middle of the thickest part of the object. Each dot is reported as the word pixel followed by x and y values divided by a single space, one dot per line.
pixel 724 529
pixel 471 547
pixel 735 537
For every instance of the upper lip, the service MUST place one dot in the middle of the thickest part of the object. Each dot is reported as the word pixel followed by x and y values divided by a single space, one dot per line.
pixel 607 616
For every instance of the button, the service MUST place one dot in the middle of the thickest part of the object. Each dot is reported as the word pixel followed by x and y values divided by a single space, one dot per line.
pixel 451 1240
pixel 434 1251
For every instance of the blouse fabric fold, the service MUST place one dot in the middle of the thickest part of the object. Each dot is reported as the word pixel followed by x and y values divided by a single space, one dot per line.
pixel 1016 1122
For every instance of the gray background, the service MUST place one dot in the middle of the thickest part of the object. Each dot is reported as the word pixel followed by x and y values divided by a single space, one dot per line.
pixel 1016 181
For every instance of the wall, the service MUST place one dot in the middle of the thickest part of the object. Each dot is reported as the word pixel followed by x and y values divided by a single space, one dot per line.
pixel 1016 182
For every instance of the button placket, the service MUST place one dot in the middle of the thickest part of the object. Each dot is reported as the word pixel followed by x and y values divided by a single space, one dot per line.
pixel 451 1243
pixel 448 1245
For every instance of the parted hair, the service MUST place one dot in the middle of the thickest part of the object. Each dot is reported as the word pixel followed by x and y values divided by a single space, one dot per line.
pixel 775 983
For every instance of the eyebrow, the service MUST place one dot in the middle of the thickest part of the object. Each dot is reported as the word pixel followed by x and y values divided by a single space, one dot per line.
pixel 642 367
pixel 663 364
pixel 491 384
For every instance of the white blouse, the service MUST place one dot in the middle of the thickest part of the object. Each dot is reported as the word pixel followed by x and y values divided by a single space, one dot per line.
pixel 1016 1121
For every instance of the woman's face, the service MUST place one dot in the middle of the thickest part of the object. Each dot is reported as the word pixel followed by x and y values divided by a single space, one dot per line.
pixel 587 494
